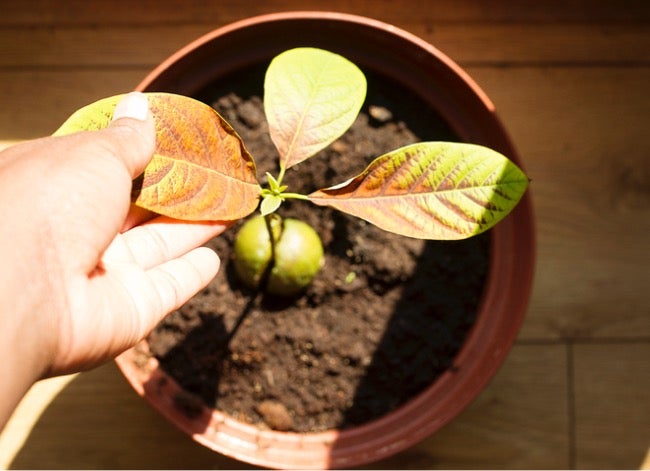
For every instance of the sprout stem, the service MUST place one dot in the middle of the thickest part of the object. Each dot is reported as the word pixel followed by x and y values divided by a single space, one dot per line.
pixel 295 196
pixel 281 174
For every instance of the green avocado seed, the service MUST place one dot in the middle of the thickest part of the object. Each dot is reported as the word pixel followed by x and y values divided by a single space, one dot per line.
pixel 298 254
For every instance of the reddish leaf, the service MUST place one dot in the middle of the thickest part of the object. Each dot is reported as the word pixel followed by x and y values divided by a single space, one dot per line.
pixel 200 169
pixel 431 190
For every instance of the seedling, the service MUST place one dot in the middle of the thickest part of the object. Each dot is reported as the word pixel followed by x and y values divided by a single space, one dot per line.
pixel 201 170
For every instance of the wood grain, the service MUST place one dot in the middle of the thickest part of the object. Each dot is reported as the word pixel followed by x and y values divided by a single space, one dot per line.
pixel 115 12
pixel 36 102
pixel 468 43
pixel 569 79
pixel 97 421
pixel 519 422
pixel 580 133
pixel 612 405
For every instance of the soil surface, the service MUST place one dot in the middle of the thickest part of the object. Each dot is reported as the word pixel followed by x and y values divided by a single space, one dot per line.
pixel 384 317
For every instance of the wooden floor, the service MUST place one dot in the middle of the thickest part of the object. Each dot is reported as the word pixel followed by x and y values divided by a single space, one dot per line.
pixel 570 80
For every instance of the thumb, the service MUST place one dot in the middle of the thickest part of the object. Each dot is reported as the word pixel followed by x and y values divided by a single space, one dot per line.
pixel 132 132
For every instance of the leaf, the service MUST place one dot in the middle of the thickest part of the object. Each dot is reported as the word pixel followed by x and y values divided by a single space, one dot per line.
pixel 200 169
pixel 91 117
pixel 269 204
pixel 311 97
pixel 431 190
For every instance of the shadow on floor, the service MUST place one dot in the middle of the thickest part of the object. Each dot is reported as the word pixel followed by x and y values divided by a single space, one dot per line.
pixel 79 430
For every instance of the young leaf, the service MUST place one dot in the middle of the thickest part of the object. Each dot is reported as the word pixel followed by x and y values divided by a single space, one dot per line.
pixel 269 204
pixel 431 190
pixel 311 97
pixel 200 169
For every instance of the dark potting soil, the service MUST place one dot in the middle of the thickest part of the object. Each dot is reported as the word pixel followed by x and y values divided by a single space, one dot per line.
pixel 384 317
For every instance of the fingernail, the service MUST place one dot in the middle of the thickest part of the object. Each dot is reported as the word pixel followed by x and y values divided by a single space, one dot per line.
pixel 134 105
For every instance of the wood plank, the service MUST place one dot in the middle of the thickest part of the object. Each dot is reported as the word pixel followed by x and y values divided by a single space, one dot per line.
pixel 18 429
pixel 582 133
pixel 646 461
pixel 569 79
pixel 466 43
pixel 538 43
pixel 91 46
pixel 612 405
pixel 97 422
pixel 76 12
pixel 35 103
pixel 519 422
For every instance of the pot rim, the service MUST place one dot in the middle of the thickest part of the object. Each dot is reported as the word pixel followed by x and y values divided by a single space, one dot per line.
pixel 511 262
pixel 315 15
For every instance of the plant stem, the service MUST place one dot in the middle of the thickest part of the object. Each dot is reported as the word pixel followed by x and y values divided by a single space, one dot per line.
pixel 295 196
pixel 281 174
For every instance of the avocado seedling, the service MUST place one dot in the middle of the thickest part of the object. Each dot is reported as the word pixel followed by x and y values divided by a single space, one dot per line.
pixel 201 170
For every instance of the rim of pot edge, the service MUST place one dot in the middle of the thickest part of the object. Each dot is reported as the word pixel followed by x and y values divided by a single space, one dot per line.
pixel 512 255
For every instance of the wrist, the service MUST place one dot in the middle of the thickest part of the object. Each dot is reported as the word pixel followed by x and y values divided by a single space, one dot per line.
pixel 24 336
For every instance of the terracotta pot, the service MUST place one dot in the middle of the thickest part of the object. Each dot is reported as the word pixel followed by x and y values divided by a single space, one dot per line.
pixel 442 84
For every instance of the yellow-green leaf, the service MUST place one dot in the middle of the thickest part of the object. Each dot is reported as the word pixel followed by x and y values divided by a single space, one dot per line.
pixel 311 97
pixel 200 169
pixel 269 204
pixel 431 190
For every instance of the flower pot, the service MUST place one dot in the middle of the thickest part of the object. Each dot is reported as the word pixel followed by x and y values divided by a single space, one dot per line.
pixel 445 87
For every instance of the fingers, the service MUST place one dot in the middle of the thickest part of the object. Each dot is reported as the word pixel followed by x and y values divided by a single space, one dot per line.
pixel 126 303
pixel 132 132
pixel 176 281
pixel 137 216
pixel 160 240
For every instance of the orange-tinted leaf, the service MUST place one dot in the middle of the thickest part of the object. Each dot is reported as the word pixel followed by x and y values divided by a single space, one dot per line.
pixel 431 190
pixel 200 169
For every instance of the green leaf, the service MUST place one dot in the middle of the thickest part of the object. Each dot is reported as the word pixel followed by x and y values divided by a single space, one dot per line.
pixel 269 204
pixel 92 117
pixel 431 190
pixel 311 97
pixel 200 169
pixel 274 186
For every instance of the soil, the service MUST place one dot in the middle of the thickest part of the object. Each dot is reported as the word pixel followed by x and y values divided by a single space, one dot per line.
pixel 384 317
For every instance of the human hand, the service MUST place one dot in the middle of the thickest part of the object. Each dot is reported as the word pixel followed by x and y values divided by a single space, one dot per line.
pixel 82 277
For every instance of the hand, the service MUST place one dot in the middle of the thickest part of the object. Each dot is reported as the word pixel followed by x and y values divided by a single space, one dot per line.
pixel 82 278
